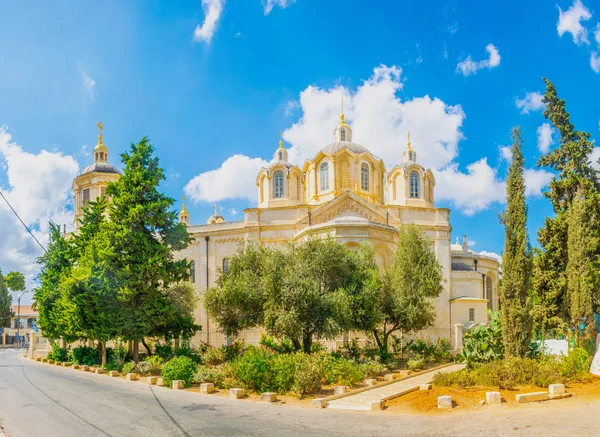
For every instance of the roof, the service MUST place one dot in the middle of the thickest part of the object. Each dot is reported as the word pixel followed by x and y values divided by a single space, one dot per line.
pixel 457 265
pixel 25 310
pixel 336 147
pixel 100 167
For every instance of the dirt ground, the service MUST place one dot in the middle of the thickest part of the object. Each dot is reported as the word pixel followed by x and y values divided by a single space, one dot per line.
pixel 468 399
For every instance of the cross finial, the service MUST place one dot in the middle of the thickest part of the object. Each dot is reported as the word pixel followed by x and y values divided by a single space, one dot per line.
pixel 215 206
pixel 342 117
pixel 408 140
pixel 281 139
pixel 100 128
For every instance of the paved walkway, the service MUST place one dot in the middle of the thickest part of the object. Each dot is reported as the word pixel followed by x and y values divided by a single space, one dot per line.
pixel 364 400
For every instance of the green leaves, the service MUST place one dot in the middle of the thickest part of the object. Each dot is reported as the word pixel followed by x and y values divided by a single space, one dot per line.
pixel 15 281
pixel 5 303
pixel 483 343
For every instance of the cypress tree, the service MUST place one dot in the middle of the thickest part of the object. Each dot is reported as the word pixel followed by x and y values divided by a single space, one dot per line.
pixel 5 303
pixel 516 260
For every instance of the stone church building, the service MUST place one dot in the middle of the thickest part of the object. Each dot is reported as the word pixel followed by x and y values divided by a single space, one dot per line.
pixel 344 192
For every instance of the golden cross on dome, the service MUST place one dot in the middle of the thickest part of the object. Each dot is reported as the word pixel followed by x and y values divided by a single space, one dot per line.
pixel 281 139
pixel 342 118
pixel 409 139
pixel 215 205
pixel 100 128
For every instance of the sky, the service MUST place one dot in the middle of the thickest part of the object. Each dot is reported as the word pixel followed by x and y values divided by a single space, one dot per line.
pixel 213 82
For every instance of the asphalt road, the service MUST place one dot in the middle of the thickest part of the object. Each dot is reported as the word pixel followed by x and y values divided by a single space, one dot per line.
pixel 41 400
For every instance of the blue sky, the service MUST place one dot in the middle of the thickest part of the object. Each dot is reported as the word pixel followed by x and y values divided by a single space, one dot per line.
pixel 207 80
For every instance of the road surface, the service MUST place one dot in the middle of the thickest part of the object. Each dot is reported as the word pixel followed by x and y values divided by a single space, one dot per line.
pixel 41 400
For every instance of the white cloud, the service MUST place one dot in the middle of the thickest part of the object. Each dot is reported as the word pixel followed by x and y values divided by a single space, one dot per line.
pixel 505 153
pixel 491 255
pixel 471 243
pixel 234 179
pixel 212 12
pixel 597 34
pixel 291 107
pixel 535 181
pixel 531 102
pixel 570 21
pixel 88 84
pixel 268 5
pixel 39 187
pixel 233 211
pixel 595 62
pixel 594 157
pixel 468 67
pixel 544 137
pixel 380 121
pixel 84 150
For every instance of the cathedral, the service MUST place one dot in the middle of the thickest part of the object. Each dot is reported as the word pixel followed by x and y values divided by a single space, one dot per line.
pixel 344 192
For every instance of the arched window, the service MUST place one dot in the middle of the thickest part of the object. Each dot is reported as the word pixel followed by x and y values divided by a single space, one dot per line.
pixel 324 175
pixel 412 156
pixel 489 295
pixel 364 176
pixel 278 184
pixel 225 266
pixel 192 271
pixel 415 189
pixel 299 188
pixel 342 134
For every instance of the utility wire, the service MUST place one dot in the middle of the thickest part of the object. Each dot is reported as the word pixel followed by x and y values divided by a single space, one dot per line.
pixel 23 223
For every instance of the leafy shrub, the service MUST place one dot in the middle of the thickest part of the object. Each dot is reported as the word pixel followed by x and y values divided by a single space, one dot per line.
pixel 117 357
pixel 187 351
pixel 85 355
pixel 284 371
pixel 431 351
pixel 373 369
pixel 179 368
pixel 165 351
pixel 340 371
pixel 416 364
pixel 58 353
pixel 128 367
pixel 235 350
pixel 308 373
pixel 483 343
pixel 282 347
pixel 351 350
pixel 576 365
pixel 221 375
pixel 253 369
pixel 214 356
pixel 151 366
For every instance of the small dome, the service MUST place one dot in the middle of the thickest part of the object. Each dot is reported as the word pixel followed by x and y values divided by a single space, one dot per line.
pixel 215 218
pixel 336 147
pixel 461 267
pixel 100 167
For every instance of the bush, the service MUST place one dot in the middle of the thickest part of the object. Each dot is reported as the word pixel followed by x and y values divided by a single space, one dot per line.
pixel 431 351
pixel 180 368
pixel 340 371
pixel 165 351
pixel 483 343
pixel 85 355
pixel 373 369
pixel 308 374
pixel 416 364
pixel 58 353
pixel 129 367
pixel 282 347
pixel 214 356
pixel 151 366
pixel 221 375
pixel 116 358
pixel 253 369
pixel 235 350
pixel 576 365
pixel 187 351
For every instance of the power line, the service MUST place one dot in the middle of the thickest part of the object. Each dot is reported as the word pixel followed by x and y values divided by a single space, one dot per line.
pixel 23 223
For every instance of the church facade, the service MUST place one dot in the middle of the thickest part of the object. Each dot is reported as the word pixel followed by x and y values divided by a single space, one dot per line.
pixel 346 193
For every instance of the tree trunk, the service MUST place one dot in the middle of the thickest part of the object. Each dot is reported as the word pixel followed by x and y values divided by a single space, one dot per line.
pixel 296 344
pixel 102 345
pixel 176 343
pixel 377 340
pixel 136 353
pixel 146 346
pixel 307 342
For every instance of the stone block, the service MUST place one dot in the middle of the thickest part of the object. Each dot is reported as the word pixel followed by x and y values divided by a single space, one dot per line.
pixel 207 387
pixel 236 393
pixel 425 387
pixel 58 363
pixel 560 396
pixel 38 358
pixel 160 382
pixel 556 389
pixel 177 384
pixel 532 397
pixel 493 398
pixel 99 370
pixel 151 380
pixel 85 368
pixel 370 382
pixel 268 397
pixel 390 376
pixel 405 372
pixel 113 373
pixel 132 377
pixel 444 401
pixel 340 389
pixel 317 403
pixel 75 366
pixel 45 360
pixel 377 405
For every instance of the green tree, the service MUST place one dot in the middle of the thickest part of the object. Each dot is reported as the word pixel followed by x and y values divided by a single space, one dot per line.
pixel 516 259
pixel 15 281
pixel 144 234
pixel 304 291
pixel 5 303
pixel 574 172
pixel 582 278
pixel 410 285
pixel 47 298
